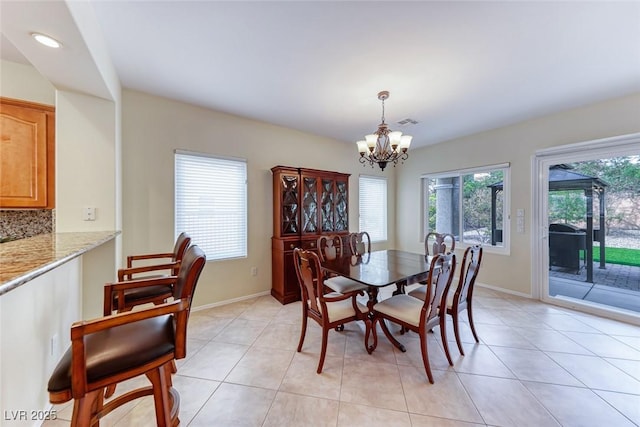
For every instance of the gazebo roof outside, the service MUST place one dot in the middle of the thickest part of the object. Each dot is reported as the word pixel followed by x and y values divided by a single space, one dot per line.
pixel 561 177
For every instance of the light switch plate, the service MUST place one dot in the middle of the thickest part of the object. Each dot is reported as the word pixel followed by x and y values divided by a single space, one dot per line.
pixel 89 214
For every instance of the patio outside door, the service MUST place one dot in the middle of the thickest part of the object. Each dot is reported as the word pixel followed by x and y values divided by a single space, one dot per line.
pixel 572 207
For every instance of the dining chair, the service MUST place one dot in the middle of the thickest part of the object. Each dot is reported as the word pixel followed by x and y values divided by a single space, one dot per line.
pixel 360 243
pixel 118 347
pixel 460 298
pixel 330 248
pixel 439 243
pixel 124 298
pixel 329 310
pixel 418 315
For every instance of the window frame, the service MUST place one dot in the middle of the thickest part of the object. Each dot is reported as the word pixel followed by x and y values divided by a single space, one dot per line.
pixel 384 210
pixel 459 174
pixel 239 246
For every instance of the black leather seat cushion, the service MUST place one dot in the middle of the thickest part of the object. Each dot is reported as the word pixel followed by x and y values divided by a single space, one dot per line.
pixel 118 349
pixel 135 294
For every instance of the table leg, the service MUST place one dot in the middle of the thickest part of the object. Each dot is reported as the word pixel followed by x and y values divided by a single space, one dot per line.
pixel 372 291
pixel 400 287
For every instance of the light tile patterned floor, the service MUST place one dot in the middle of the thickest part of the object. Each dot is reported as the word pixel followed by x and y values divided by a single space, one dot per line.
pixel 536 365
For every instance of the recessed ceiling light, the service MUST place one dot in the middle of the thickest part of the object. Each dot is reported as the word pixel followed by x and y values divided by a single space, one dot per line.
pixel 46 40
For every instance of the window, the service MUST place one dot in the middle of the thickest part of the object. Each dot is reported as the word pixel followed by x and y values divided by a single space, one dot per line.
pixel 471 204
pixel 211 203
pixel 373 207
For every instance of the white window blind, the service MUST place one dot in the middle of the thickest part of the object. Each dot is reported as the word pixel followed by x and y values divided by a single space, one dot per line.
pixel 373 207
pixel 211 203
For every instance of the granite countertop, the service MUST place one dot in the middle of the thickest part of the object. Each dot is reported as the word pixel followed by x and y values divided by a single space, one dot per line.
pixel 23 260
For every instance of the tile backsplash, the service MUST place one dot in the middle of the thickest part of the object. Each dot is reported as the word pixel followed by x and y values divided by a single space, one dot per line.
pixel 23 223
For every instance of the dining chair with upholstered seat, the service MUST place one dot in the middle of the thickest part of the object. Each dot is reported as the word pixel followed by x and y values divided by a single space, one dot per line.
pixel 418 315
pixel 118 347
pixel 329 310
pixel 124 298
pixel 360 243
pixel 330 248
pixel 460 298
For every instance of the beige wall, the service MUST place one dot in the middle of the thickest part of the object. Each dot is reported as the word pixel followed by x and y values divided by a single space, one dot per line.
pixel 19 81
pixel 85 164
pixel 154 127
pixel 514 144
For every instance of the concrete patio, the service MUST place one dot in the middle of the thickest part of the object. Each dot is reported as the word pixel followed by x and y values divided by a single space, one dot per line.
pixel 616 285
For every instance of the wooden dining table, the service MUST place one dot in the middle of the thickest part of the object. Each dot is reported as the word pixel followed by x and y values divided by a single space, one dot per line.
pixel 378 269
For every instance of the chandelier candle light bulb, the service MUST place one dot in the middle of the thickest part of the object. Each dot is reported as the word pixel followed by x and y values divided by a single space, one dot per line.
pixel 384 146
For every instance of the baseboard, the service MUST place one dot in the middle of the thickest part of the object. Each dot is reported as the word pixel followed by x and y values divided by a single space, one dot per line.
pixel 230 301
pixel 503 290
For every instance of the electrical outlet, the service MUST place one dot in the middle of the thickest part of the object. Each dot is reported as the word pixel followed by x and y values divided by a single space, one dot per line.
pixel 254 271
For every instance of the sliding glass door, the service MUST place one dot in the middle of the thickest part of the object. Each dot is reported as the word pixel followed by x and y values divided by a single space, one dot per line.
pixel 587 248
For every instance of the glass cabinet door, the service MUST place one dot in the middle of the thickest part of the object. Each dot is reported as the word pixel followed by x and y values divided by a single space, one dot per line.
pixel 289 189
pixel 341 206
pixel 328 219
pixel 309 204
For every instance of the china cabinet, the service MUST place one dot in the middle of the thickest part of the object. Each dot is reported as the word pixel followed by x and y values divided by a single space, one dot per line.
pixel 307 203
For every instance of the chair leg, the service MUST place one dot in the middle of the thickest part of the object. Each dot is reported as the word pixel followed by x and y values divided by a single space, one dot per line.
pixel 161 395
pixel 390 337
pixel 425 356
pixel 443 334
pixel 470 315
pixel 303 331
pixel 85 408
pixel 455 316
pixel 323 350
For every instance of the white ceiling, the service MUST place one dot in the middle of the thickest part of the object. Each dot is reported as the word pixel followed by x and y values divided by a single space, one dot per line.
pixel 317 66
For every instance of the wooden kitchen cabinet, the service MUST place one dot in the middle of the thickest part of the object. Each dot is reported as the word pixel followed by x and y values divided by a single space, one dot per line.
pixel 27 155
pixel 307 203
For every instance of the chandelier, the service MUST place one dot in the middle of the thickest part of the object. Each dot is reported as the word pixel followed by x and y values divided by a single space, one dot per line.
pixel 384 146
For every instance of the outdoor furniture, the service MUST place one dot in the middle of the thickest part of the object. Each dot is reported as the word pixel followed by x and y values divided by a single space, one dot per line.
pixel 565 245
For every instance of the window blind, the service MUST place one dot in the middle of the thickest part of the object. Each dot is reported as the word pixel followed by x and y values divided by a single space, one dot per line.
pixel 373 207
pixel 211 203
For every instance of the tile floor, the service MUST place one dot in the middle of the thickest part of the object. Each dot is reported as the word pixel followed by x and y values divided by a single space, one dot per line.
pixel 536 365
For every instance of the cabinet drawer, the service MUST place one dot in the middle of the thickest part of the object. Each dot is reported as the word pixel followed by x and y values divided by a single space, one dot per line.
pixel 309 244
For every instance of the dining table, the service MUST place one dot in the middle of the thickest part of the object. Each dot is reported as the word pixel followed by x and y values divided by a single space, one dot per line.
pixel 378 269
